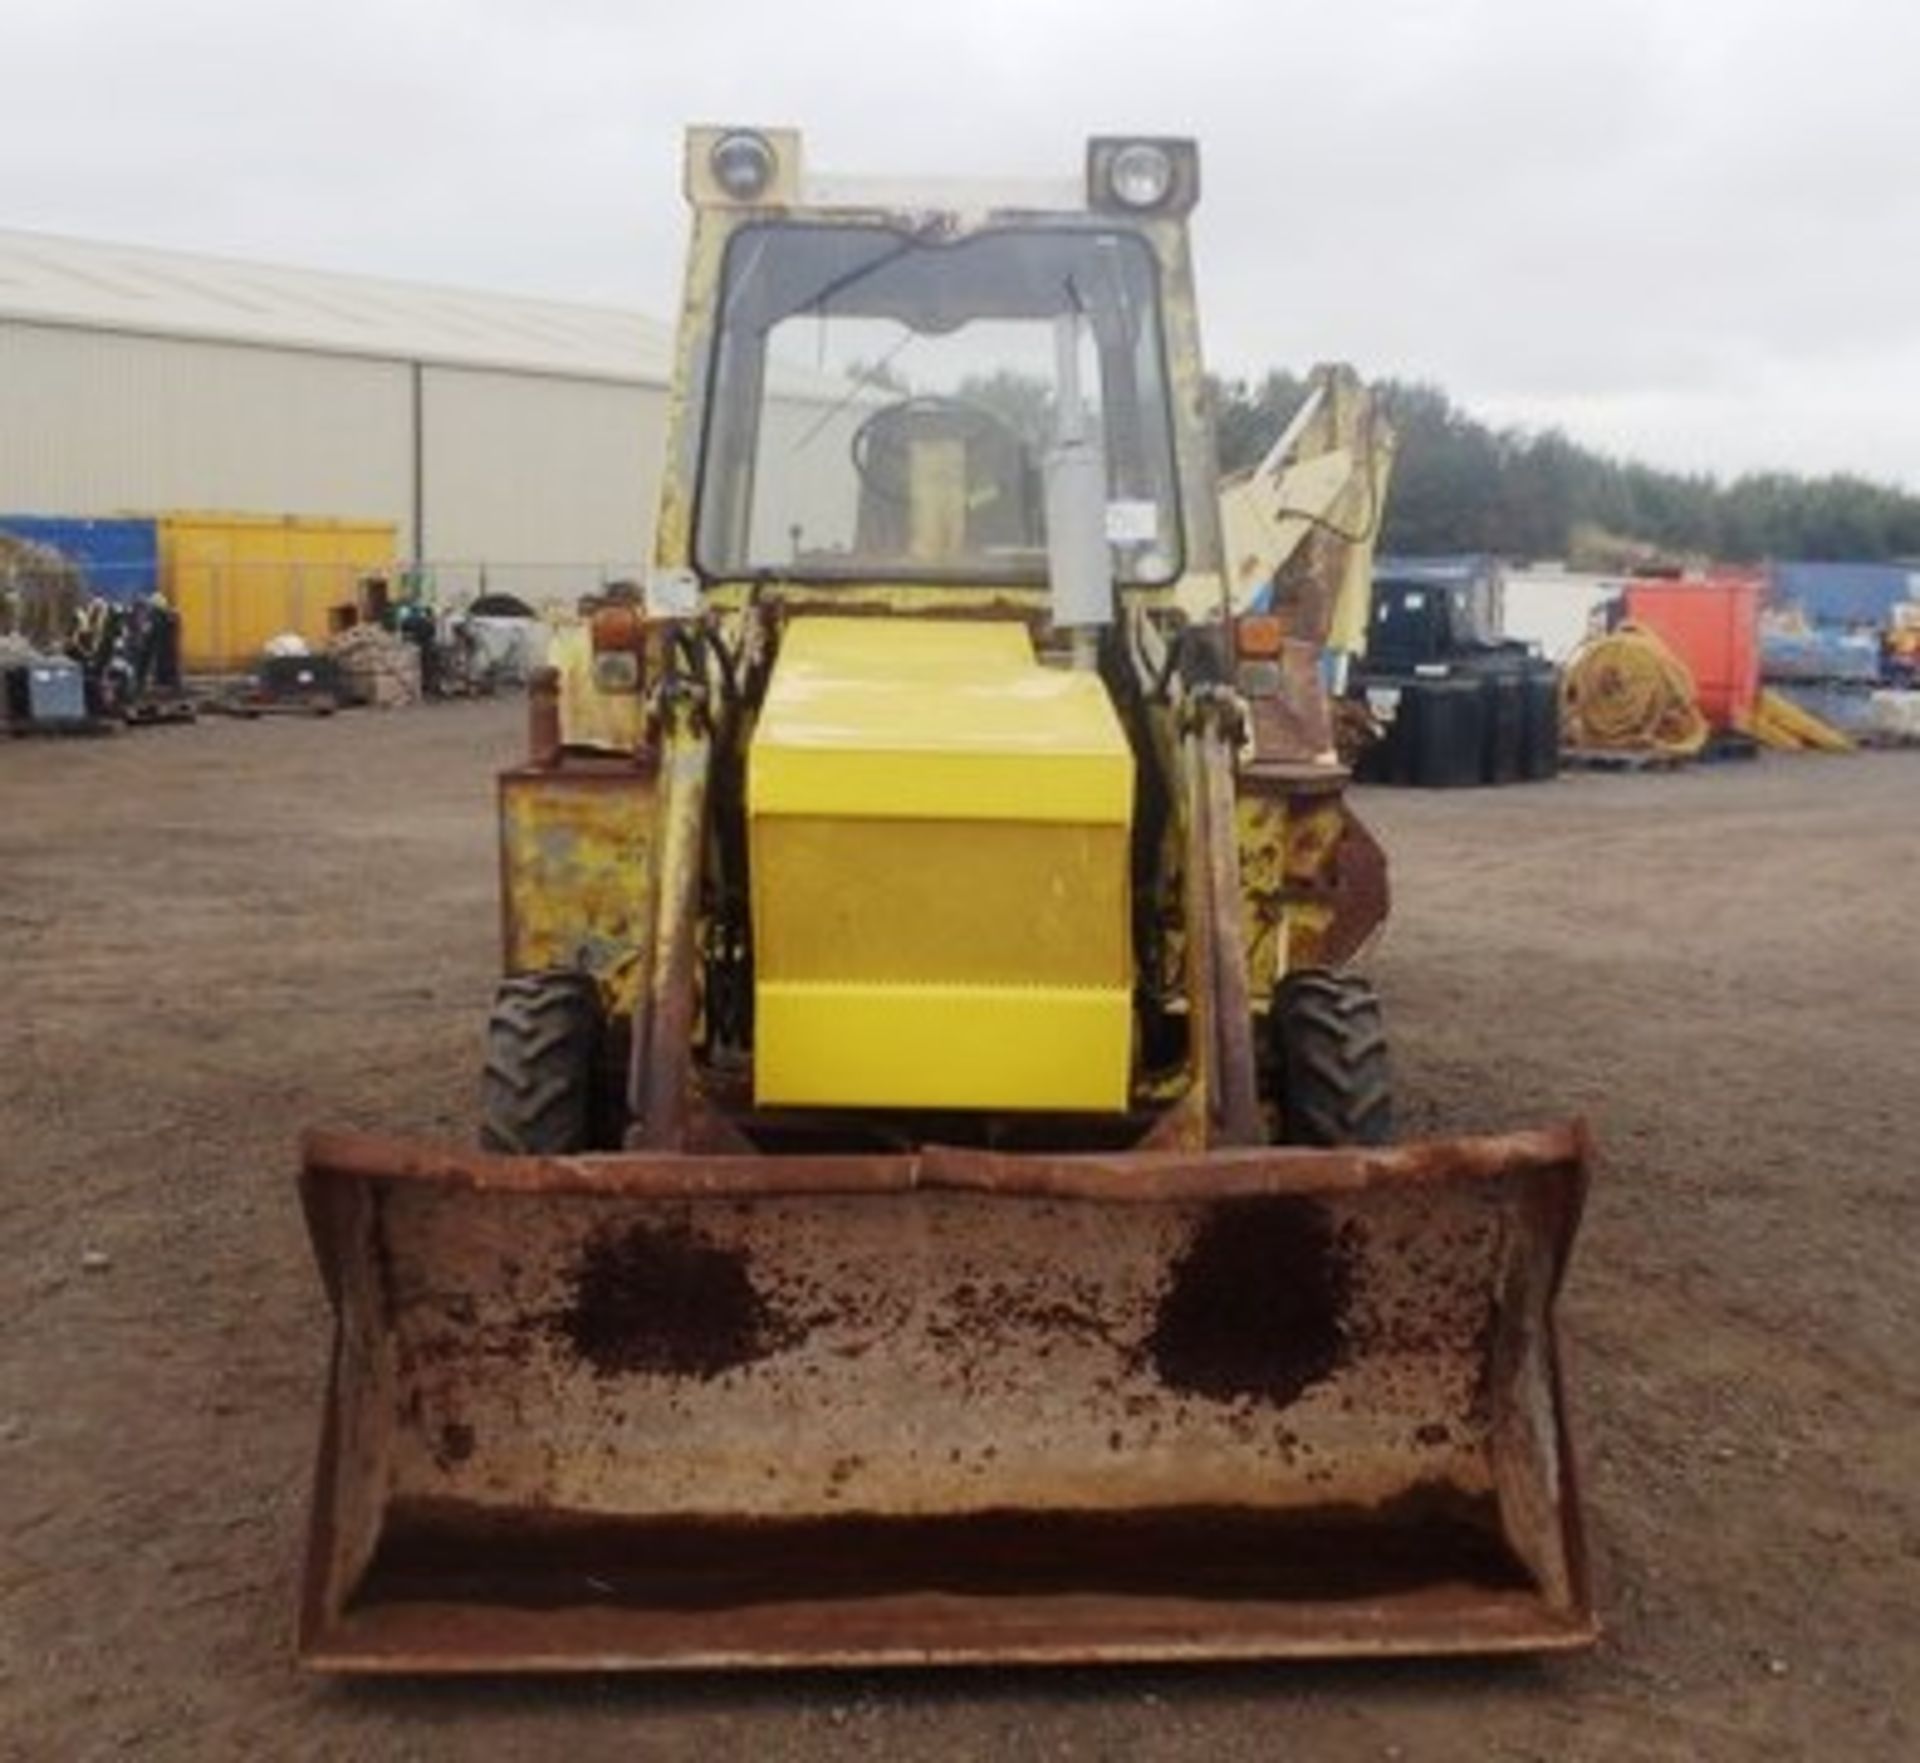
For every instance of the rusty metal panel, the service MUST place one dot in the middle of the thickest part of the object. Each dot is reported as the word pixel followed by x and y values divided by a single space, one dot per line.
pixel 1313 881
pixel 1289 715
pixel 656 1410
pixel 576 865
pixel 1337 882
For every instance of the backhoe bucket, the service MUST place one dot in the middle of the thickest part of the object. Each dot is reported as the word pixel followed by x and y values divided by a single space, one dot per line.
pixel 644 1411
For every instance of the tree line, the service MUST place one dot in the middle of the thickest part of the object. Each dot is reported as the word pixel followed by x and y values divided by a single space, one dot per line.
pixel 1460 485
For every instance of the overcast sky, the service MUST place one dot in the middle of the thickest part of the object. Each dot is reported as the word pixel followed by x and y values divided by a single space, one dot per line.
pixel 1686 230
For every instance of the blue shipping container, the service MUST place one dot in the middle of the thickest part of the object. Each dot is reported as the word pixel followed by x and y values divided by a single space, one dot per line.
pixel 1844 593
pixel 120 559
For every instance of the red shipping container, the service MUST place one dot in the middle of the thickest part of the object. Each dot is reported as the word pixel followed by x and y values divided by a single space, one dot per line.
pixel 1713 624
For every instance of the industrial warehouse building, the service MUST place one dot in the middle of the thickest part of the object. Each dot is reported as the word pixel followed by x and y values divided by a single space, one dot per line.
pixel 506 440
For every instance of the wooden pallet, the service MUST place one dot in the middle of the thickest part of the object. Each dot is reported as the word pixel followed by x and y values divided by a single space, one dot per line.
pixel 1620 759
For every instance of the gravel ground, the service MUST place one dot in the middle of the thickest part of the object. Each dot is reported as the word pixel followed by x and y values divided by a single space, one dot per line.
pixel 210 936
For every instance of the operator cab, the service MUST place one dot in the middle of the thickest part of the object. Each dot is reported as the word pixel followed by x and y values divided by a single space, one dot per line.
pixel 892 395
pixel 884 402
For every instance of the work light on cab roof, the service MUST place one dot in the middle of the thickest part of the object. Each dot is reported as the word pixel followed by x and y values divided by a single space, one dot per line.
pixel 750 167
pixel 742 164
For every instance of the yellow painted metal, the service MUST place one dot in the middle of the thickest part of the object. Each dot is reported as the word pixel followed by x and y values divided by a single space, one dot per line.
pixel 1287 851
pixel 576 860
pixel 1310 511
pixel 1049 906
pixel 239 580
pixel 589 717
pixel 942 1046
pixel 1260 825
pixel 1780 723
pixel 939 831
pixel 931 719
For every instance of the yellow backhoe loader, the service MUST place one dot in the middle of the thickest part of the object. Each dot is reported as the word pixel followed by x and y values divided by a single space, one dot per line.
pixel 937 1198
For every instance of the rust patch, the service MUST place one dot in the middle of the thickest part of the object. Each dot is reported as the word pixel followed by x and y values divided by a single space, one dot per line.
pixel 997 1312
pixel 1256 1306
pixel 666 1302
pixel 823 1570
pixel 981 1319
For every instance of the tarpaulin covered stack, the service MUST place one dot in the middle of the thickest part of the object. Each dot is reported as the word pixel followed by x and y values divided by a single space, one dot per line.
pixel 1836 646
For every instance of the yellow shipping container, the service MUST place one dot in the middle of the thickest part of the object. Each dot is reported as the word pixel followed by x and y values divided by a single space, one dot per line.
pixel 239 580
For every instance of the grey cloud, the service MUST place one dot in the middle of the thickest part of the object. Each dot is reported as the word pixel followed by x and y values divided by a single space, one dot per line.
pixel 1690 230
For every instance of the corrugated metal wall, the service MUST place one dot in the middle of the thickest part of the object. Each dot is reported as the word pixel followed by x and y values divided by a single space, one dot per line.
pixel 551 483
pixel 97 422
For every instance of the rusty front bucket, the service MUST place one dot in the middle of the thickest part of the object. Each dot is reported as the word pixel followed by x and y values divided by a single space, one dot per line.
pixel 651 1411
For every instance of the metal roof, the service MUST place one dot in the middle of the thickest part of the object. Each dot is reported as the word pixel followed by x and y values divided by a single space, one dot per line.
pixel 47 279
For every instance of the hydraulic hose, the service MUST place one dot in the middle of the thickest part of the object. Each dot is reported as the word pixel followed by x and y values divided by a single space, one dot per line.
pixel 1627 691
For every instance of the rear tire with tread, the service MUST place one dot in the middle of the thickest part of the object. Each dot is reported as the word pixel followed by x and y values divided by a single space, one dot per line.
pixel 1332 1081
pixel 543 1056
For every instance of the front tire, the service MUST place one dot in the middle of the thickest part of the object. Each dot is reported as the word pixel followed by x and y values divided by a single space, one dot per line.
pixel 1328 1042
pixel 537 1092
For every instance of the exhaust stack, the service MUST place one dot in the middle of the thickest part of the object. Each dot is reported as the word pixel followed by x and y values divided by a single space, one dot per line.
pixel 1078 568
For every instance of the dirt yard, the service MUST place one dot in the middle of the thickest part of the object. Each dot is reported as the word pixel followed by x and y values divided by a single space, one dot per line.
pixel 210 936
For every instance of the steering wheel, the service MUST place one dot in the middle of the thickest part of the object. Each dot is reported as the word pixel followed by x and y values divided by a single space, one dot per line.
pixel 965 421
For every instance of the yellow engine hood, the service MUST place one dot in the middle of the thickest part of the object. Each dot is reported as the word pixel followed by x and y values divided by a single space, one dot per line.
pixel 939 832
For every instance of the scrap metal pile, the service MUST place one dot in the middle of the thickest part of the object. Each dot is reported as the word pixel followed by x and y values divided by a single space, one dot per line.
pixel 72 662
pixel 377 666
